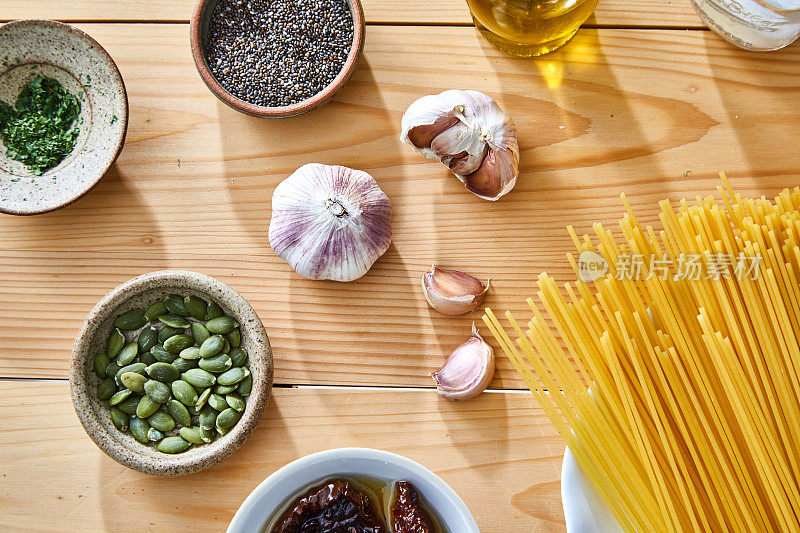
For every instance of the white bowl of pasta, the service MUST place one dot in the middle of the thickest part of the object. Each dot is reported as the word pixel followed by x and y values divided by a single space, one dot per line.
pixel 584 509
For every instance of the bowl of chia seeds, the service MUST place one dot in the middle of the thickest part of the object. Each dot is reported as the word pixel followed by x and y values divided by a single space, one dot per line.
pixel 276 58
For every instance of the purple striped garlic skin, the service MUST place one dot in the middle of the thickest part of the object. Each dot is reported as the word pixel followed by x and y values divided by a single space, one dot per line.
pixel 468 132
pixel 330 222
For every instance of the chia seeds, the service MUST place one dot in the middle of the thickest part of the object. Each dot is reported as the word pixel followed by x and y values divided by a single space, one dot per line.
pixel 276 53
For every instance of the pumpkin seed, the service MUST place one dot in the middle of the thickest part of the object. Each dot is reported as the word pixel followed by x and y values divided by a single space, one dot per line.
pixel 192 410
pixel 196 307
pixel 166 332
pixel 163 372
pixel 207 434
pixel 192 352
pixel 133 367
pixel 176 343
pixel 112 369
pixel 207 417
pixel 173 445
pixel 226 420
pixel 191 434
pixel 158 391
pixel 161 421
pixel 212 346
pixel 131 320
pixel 147 338
pixel 245 386
pixel 147 358
pixel 174 321
pixel 129 404
pixel 221 324
pixel 199 332
pixel 179 413
pixel 115 343
pixel 154 435
pixel 217 402
pixel 139 428
pixel 106 389
pixel 204 396
pixel 224 389
pixel 213 311
pixel 175 305
pixel 226 347
pixel 119 419
pixel 101 362
pixel 162 355
pixel 235 401
pixel 183 392
pixel 234 375
pixel 238 356
pixel 184 364
pixel 199 378
pixel 218 363
pixel 119 396
pixel 133 381
pixel 234 338
pixel 155 310
pixel 128 354
pixel 147 406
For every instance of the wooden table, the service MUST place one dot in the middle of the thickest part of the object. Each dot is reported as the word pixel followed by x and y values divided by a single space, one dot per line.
pixel 643 100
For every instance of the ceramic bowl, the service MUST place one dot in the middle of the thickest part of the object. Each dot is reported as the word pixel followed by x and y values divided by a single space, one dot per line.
pixel 139 293
pixel 584 508
pixel 84 68
pixel 198 31
pixel 275 491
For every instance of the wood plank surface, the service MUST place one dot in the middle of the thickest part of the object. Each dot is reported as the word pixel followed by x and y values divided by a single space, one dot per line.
pixel 498 452
pixel 193 185
pixel 669 13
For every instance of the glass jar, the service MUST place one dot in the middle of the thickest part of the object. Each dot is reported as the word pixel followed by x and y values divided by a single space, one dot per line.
pixel 752 24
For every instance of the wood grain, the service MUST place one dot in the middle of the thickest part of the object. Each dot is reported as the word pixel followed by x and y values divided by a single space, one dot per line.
pixel 614 111
pixel 670 13
pixel 499 453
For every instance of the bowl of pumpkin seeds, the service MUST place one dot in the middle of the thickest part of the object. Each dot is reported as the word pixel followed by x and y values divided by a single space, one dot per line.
pixel 171 372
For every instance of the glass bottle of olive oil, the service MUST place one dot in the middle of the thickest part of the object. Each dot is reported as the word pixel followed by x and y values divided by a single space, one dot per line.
pixel 529 27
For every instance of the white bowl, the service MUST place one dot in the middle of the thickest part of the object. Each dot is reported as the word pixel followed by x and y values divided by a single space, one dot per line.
pixel 584 509
pixel 287 482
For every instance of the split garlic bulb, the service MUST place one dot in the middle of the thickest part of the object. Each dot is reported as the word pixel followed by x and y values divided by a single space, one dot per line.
pixel 330 222
pixel 468 132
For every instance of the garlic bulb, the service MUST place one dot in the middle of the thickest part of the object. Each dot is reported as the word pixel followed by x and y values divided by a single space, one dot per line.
pixel 468 132
pixel 468 370
pixel 452 292
pixel 330 222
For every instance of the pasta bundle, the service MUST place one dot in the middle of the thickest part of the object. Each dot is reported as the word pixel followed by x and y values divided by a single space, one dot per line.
pixel 674 376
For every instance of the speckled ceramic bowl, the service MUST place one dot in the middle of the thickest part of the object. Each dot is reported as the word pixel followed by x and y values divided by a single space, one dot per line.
pixel 197 35
pixel 84 68
pixel 140 292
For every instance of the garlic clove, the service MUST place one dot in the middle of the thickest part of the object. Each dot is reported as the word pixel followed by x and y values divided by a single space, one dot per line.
pixel 452 292
pixel 421 136
pixel 495 177
pixel 467 371
pixel 330 222
pixel 461 129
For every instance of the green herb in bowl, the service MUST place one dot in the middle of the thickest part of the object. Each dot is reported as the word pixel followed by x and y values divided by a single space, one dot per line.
pixel 40 130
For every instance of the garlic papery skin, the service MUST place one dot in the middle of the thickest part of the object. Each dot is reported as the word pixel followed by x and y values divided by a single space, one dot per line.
pixel 468 132
pixel 468 370
pixel 330 222
pixel 452 292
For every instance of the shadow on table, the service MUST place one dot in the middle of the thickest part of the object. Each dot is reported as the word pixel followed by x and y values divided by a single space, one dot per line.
pixel 761 99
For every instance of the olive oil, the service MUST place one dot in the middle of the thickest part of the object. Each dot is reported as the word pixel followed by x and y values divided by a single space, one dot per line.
pixel 529 27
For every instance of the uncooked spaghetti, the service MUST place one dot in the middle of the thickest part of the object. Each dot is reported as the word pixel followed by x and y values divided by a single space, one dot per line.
pixel 678 395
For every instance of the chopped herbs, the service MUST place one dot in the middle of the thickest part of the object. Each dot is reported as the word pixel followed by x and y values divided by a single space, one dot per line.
pixel 114 118
pixel 39 130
